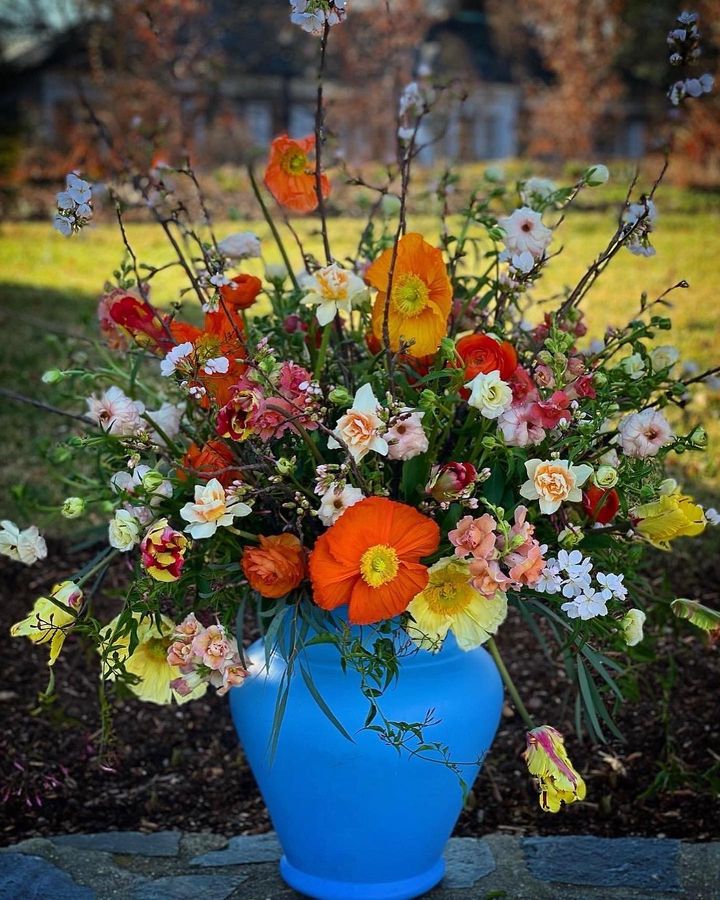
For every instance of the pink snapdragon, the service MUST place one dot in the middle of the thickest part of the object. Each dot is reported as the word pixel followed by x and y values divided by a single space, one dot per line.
pixel 474 537
pixel 549 413
pixel 487 577
pixel 519 426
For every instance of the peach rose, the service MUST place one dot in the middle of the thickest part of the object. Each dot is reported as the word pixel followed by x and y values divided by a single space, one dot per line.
pixel 276 567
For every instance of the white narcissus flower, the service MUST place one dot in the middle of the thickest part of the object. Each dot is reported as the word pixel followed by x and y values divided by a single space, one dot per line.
pixel 123 531
pixel 632 626
pixel 361 428
pixel 336 500
pixel 116 413
pixel 26 546
pixel 664 357
pixel 241 245
pixel 489 394
pixel 552 482
pixel 333 290
pixel 644 434
pixel 525 232
pixel 212 508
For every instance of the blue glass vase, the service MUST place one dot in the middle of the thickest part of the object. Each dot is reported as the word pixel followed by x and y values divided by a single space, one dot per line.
pixel 357 819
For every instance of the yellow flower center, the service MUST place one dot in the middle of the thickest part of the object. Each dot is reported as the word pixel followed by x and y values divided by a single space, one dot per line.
pixel 294 162
pixel 378 565
pixel 156 647
pixel 448 598
pixel 410 295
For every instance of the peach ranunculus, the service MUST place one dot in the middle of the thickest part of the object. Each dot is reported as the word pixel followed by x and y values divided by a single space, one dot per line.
pixel 361 427
pixel 277 566
pixel 487 577
pixel 475 537
pixel 552 482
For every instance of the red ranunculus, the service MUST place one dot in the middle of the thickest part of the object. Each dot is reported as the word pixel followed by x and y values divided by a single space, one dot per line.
pixel 482 353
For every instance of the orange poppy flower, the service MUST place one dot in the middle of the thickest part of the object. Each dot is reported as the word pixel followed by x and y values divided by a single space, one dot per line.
pixel 370 559
pixel 242 291
pixel 290 175
pixel 421 295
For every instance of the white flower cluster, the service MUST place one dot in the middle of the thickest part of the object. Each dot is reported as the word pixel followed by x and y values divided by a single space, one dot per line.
pixel 313 15
pixel 684 44
pixel 571 575
pixel 640 219
pixel 74 206
pixel 691 87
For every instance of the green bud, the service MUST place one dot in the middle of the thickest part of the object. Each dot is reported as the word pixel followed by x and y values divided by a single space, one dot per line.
pixel 570 537
pixel 285 466
pixel 428 399
pixel 545 357
pixel 447 348
pixel 52 376
pixel 61 455
pixel 340 396
pixel 494 174
pixel 496 234
pixel 390 205
pixel 605 477
pixel 73 507
pixel 107 507
pixel 599 379
pixel 596 175
pixel 152 480
pixel 698 438
pixel 559 359
pixel 489 442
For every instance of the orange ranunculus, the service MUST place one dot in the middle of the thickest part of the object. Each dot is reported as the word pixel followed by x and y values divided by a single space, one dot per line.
pixel 277 566
pixel 212 460
pixel 370 559
pixel 290 175
pixel 242 291
pixel 482 353
pixel 421 295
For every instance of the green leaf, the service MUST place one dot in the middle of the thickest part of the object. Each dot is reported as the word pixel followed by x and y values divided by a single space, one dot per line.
pixel 701 616
pixel 415 474
pixel 318 698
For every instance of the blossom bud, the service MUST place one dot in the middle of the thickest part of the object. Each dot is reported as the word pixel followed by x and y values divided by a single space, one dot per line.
pixel 390 205
pixel 428 399
pixel 698 438
pixel 570 537
pixel 494 174
pixel 489 442
pixel 451 481
pixel 668 486
pixel 73 507
pixel 285 466
pixel 276 273
pixel 152 480
pixel 52 376
pixel 632 626
pixel 545 357
pixel 599 379
pixel 447 349
pixel 596 175
pixel 605 477
pixel 340 396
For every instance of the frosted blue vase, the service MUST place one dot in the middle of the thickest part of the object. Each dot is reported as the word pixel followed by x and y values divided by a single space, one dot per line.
pixel 356 819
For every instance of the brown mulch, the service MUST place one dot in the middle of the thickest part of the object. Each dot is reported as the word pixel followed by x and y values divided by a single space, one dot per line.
pixel 181 768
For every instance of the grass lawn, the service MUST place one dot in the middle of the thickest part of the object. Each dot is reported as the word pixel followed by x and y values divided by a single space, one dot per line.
pixel 48 285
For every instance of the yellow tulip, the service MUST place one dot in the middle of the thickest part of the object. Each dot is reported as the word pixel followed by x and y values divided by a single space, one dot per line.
pixel 547 760
pixel 48 622
pixel 670 516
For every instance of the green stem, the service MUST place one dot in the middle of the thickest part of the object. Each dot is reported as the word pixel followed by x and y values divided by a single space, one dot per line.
pixel 243 534
pixel 510 684
pixel 320 361
pixel 276 234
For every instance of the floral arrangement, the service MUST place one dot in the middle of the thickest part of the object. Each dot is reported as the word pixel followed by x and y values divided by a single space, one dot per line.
pixel 396 437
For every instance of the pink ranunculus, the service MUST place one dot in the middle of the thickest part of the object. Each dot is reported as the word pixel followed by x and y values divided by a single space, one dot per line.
pixel 523 387
pixel 474 537
pixel 180 653
pixel 406 438
pixel 643 434
pixel 487 577
pixel 520 427
pixel 549 413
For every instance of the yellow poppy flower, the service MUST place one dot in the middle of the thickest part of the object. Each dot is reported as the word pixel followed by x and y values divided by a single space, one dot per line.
pixel 451 603
pixel 148 660
pixel 48 622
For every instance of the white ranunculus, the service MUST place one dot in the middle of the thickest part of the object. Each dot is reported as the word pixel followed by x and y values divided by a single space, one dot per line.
pixel 489 394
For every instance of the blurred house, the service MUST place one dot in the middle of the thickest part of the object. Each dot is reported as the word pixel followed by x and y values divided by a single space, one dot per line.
pixel 257 78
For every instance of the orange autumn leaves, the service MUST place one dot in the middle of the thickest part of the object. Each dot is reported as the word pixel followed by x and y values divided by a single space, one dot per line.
pixel 369 559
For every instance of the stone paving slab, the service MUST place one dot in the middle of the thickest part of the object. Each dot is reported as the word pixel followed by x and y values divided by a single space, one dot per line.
pixel 174 866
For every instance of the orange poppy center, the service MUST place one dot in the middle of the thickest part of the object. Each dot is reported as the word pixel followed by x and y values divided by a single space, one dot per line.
pixel 294 161
pixel 378 565
pixel 410 295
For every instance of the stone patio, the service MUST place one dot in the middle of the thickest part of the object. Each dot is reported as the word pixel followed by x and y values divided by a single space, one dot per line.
pixel 169 865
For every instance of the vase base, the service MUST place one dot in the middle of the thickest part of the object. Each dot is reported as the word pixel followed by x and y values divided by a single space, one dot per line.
pixel 325 889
